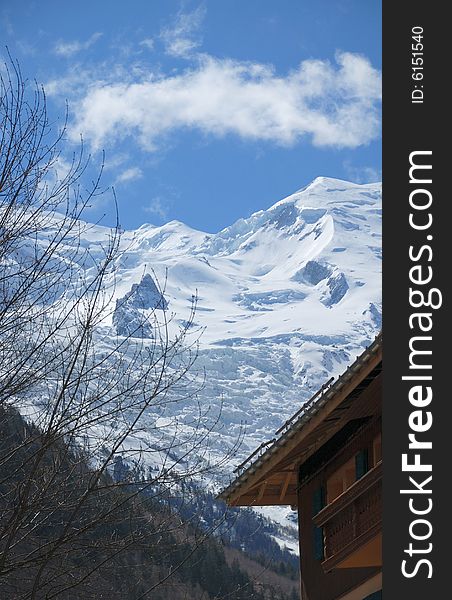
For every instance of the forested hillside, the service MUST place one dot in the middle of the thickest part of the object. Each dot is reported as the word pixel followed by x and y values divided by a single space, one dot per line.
pixel 55 545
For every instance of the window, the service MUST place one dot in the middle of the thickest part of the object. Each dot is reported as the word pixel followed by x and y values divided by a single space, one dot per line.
pixel 347 474
pixel 375 596
pixel 361 463
pixel 342 479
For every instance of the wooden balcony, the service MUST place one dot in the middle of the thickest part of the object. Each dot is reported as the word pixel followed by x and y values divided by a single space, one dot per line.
pixel 352 524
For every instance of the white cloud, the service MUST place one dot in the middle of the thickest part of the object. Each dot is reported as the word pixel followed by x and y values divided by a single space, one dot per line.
pixel 130 174
pixel 158 207
pixel 147 43
pixel 183 38
pixel 333 105
pixel 68 49
pixel 115 160
pixel 82 75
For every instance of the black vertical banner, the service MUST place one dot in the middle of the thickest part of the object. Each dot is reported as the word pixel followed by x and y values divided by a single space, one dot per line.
pixel 417 434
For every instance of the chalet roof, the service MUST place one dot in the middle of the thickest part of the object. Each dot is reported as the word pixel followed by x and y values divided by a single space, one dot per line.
pixel 270 478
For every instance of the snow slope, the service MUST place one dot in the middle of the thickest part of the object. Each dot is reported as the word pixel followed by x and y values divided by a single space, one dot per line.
pixel 286 298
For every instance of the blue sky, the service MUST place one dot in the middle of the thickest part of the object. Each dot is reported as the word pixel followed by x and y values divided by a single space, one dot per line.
pixel 208 111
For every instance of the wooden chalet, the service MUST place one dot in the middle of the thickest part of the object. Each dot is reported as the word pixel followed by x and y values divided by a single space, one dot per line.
pixel 327 464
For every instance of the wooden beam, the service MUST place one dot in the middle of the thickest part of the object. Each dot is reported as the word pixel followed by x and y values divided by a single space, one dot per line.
pixel 289 500
pixel 285 485
pixel 261 492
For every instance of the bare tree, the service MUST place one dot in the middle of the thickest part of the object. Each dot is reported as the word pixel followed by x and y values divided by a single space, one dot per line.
pixel 77 489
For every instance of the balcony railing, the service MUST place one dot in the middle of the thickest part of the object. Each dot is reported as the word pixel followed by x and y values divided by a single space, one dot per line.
pixel 352 519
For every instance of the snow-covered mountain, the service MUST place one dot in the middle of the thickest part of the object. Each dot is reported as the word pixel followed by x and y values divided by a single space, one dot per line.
pixel 286 298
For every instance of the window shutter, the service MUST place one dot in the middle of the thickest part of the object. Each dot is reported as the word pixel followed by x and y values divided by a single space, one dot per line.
pixel 361 463
pixel 318 502
pixel 319 550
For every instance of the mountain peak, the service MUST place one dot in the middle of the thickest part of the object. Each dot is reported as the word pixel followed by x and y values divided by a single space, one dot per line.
pixel 330 189
pixel 334 181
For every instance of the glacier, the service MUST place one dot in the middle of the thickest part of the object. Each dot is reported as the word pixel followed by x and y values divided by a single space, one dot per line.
pixel 286 298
